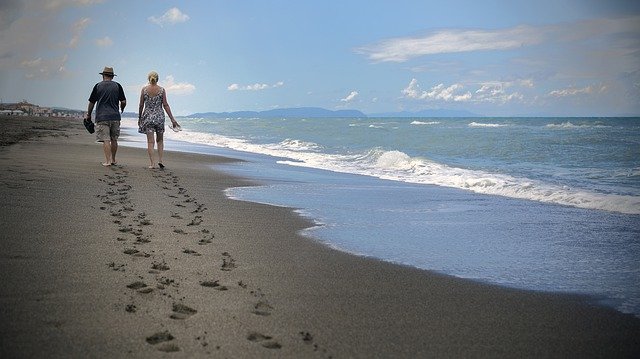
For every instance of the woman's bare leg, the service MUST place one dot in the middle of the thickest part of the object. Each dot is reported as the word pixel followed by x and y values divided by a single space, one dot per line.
pixel 150 145
pixel 160 141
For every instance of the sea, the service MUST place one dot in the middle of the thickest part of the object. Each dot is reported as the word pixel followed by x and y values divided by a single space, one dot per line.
pixel 544 204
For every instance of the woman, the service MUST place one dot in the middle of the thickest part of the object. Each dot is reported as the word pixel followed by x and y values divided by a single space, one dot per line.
pixel 153 103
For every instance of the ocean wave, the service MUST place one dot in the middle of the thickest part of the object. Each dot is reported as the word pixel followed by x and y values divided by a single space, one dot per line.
pixel 425 123
pixel 476 124
pixel 298 145
pixel 570 125
pixel 399 166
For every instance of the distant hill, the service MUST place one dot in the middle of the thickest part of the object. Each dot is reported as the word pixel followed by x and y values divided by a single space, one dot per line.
pixel 428 113
pixel 311 112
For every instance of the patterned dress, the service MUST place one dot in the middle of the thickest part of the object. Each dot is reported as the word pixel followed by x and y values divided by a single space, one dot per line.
pixel 153 114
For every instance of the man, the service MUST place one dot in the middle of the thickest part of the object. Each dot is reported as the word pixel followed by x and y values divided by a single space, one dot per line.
pixel 107 94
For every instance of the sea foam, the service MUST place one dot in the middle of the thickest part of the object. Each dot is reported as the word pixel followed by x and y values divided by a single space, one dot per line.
pixel 398 166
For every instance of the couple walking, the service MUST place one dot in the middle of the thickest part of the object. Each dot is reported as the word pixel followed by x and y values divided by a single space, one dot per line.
pixel 109 100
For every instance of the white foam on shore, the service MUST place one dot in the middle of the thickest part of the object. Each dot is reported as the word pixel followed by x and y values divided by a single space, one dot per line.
pixel 398 166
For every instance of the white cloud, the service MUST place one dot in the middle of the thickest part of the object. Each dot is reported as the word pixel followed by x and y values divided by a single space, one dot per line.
pixel 58 4
pixel 171 16
pixel 496 91
pixel 28 44
pixel 40 69
pixel 573 91
pixel 438 92
pixel 104 42
pixel 450 41
pixel 177 88
pixel 350 97
pixel 77 30
pixel 253 87
pixel 493 92
pixel 402 49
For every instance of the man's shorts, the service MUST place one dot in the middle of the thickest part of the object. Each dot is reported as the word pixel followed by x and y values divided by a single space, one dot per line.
pixel 107 130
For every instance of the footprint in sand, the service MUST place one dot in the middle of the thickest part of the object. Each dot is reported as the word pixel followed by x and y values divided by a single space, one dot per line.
pixel 213 284
pixel 190 251
pixel 141 287
pixel 136 253
pixel 117 267
pixel 181 311
pixel 160 337
pixel 142 240
pixel 228 263
pixel 196 221
pixel 262 308
pixel 307 338
pixel 125 229
pixel 165 282
pixel 264 340
pixel 201 208
pixel 207 238
pixel 160 266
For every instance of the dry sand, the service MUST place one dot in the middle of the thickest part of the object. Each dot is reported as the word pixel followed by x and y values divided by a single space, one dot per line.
pixel 130 262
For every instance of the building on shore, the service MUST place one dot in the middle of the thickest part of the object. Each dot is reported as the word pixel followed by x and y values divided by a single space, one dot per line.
pixel 25 108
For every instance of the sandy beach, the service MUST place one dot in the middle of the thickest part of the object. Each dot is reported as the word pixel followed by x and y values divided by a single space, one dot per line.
pixel 125 261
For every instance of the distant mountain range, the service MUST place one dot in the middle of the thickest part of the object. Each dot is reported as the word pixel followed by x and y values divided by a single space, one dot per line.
pixel 314 112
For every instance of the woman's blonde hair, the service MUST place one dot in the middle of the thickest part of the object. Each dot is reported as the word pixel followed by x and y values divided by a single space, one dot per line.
pixel 152 77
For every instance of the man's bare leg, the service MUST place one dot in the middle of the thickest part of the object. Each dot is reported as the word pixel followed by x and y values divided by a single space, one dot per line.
pixel 114 149
pixel 106 146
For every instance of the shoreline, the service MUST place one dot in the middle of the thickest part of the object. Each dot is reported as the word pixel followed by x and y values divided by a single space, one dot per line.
pixel 114 261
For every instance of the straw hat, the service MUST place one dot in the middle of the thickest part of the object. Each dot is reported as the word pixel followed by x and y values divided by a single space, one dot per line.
pixel 108 71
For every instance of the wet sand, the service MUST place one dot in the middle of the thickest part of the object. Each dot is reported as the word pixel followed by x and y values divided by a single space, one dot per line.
pixel 125 261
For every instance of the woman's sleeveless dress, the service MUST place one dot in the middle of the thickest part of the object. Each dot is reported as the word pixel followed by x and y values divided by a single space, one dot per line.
pixel 153 114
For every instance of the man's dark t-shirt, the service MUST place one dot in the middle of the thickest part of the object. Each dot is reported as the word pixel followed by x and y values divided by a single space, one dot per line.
pixel 107 96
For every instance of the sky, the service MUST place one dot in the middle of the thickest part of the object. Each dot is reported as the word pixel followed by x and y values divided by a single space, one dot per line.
pixel 492 58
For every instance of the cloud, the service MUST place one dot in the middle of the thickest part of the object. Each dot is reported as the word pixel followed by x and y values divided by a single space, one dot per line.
pixel 59 4
pixel 573 91
pixel 253 87
pixel 450 41
pixel 10 11
pixel 77 29
pixel 350 97
pixel 28 44
pixel 41 69
pixel 402 49
pixel 496 91
pixel 171 16
pixel 104 42
pixel 493 92
pixel 438 92
pixel 177 88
